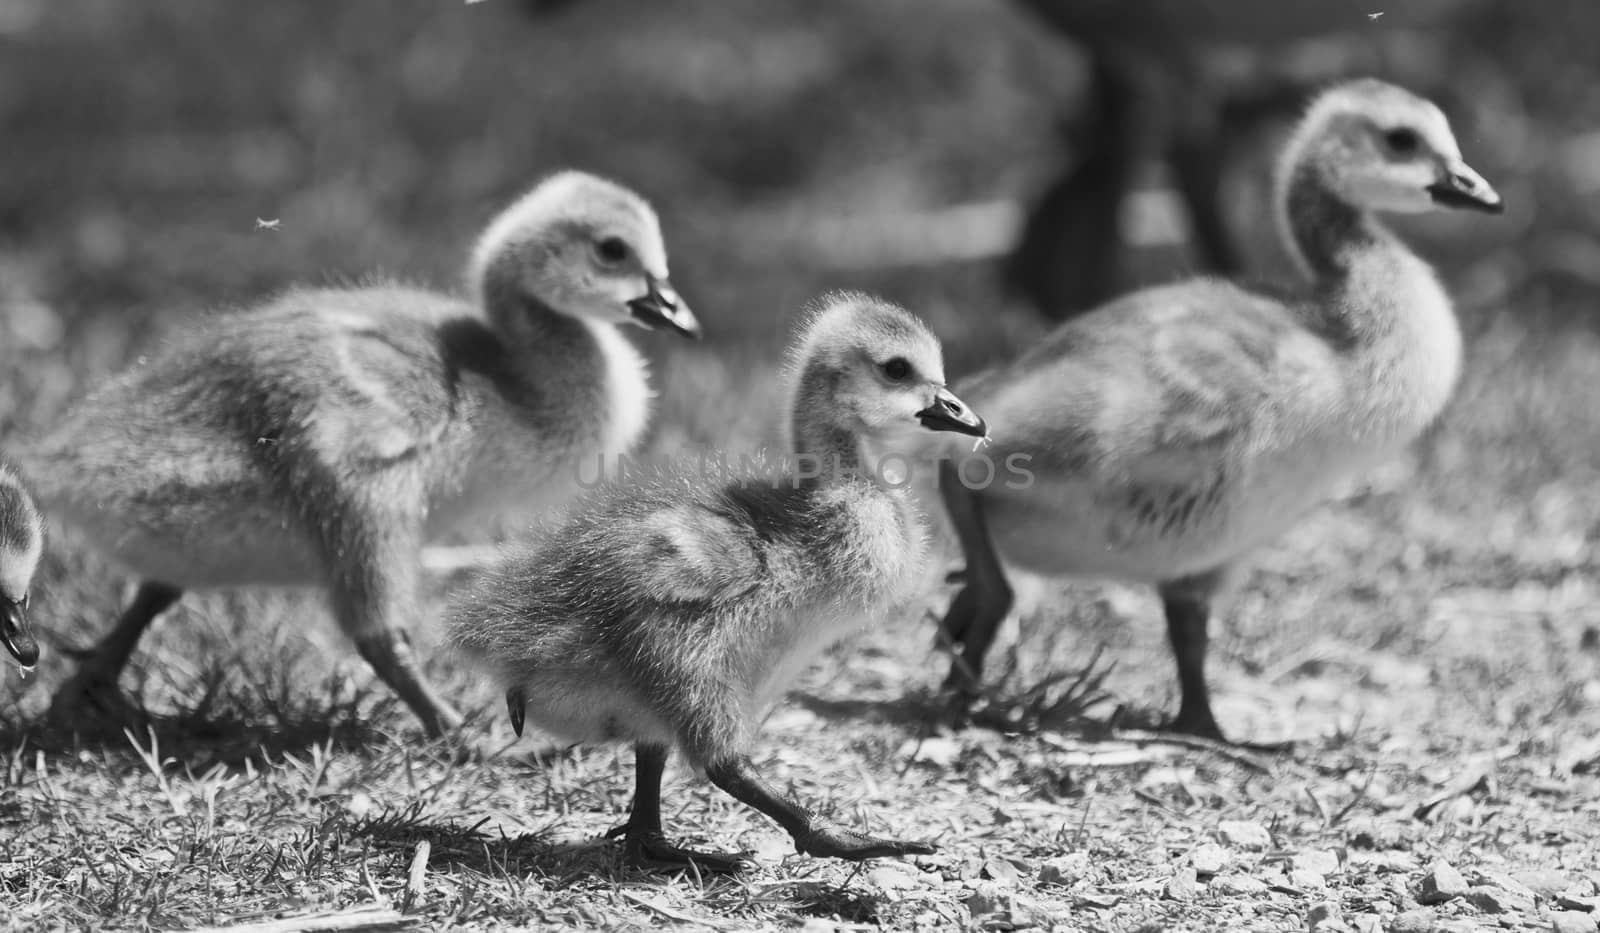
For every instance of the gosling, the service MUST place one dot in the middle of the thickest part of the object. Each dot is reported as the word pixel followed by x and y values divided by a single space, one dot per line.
pixel 21 544
pixel 673 611
pixel 324 437
pixel 1178 428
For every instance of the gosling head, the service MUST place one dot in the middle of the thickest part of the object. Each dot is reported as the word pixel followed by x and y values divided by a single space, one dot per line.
pixel 866 368
pixel 21 543
pixel 1380 147
pixel 583 246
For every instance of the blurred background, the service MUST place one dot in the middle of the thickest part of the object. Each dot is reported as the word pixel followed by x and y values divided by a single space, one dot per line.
pixel 992 165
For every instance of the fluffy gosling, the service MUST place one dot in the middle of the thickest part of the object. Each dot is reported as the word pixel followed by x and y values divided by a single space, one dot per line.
pixel 21 544
pixel 324 437
pixel 673 612
pixel 1176 429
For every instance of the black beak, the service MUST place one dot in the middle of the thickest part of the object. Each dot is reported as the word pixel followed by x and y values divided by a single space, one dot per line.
pixel 948 413
pixel 516 705
pixel 661 308
pixel 16 634
pixel 1461 187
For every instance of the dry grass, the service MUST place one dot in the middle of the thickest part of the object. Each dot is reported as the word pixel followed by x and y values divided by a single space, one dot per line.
pixel 1439 622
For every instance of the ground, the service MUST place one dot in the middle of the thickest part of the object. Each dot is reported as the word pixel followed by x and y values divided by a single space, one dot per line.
pixel 1430 641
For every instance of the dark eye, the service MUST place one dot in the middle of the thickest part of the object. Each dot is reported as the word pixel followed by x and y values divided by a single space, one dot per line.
pixel 1402 141
pixel 897 369
pixel 611 249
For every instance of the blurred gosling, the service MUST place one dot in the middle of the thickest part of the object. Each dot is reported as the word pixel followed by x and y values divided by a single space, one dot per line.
pixel 674 612
pixel 324 437
pixel 21 545
pixel 1175 430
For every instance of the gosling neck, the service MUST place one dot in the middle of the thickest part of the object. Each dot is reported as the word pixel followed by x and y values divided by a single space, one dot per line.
pixel 1358 268
pixel 544 348
pixel 825 453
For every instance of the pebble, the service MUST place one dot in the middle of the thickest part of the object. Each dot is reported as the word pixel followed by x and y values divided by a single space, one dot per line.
pixel 1307 880
pixel 1493 900
pixel 1245 834
pixel 1316 861
pixel 1066 870
pixel 1441 883
pixel 1182 886
pixel 1420 920
pixel 1208 858
pixel 1572 921
pixel 995 908
pixel 1545 883
pixel 998 869
pixel 1237 884
pixel 1324 913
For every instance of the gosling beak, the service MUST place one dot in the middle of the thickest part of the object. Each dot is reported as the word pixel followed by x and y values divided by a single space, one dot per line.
pixel 661 308
pixel 1461 187
pixel 16 634
pixel 948 413
pixel 516 705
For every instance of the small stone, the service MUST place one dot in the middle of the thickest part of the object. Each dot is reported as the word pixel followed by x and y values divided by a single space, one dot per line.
pixel 1370 833
pixel 1323 913
pixel 1237 884
pixel 1183 885
pixel 1316 861
pixel 1367 923
pixel 817 925
pixel 1245 834
pixel 1493 900
pixel 891 877
pixel 1066 870
pixel 1503 881
pixel 998 869
pixel 1208 858
pixel 1545 883
pixel 1420 920
pixel 1572 921
pixel 1440 884
pixel 1578 898
pixel 1306 880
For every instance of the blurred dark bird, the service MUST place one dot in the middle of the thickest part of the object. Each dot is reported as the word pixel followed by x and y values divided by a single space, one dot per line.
pixel 674 612
pixel 1175 430
pixel 1152 97
pixel 322 438
pixel 21 545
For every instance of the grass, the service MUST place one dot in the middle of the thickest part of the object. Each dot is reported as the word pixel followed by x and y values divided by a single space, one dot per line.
pixel 1437 624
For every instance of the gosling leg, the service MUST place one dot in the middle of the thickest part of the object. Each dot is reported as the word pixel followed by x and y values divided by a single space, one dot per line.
pixel 373 590
pixel 93 687
pixel 813 835
pixel 645 844
pixel 1187 603
pixel 978 609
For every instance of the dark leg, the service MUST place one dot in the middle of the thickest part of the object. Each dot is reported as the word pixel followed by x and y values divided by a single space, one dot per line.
pixel 374 560
pixel 646 846
pixel 1066 259
pixel 94 686
pixel 392 659
pixel 977 611
pixel 1198 159
pixel 813 835
pixel 1188 607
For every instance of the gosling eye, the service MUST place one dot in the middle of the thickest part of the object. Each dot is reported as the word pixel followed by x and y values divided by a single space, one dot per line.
pixel 897 369
pixel 611 250
pixel 1402 141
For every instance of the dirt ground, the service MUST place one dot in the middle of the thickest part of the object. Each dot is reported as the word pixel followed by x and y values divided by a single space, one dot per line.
pixel 1430 642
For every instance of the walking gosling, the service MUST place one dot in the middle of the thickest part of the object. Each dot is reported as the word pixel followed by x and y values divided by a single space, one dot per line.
pixel 21 544
pixel 324 437
pixel 674 611
pixel 1178 428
